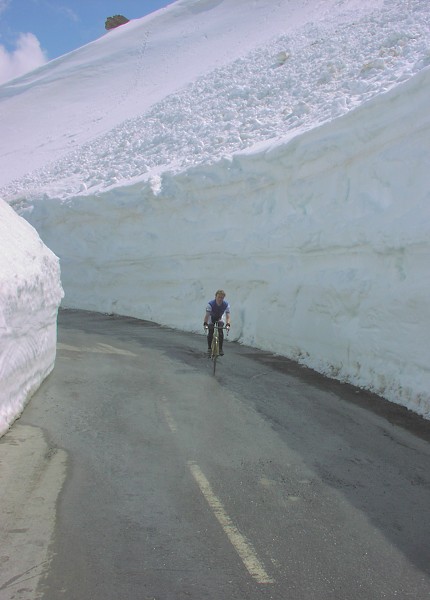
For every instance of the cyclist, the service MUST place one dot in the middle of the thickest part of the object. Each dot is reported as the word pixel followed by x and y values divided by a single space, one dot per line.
pixel 216 310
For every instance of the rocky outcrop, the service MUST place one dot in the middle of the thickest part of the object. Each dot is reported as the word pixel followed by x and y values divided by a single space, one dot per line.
pixel 115 21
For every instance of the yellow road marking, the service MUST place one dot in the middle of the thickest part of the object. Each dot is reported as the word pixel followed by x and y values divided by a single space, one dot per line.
pixel 98 348
pixel 168 415
pixel 242 546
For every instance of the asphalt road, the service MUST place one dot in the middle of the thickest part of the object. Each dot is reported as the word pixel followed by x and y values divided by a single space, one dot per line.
pixel 135 474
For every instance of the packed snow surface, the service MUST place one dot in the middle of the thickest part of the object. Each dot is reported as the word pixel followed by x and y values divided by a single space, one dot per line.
pixel 279 150
pixel 30 293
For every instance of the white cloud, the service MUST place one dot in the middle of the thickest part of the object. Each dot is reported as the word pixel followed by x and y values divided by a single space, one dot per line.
pixel 68 13
pixel 63 11
pixel 3 5
pixel 28 55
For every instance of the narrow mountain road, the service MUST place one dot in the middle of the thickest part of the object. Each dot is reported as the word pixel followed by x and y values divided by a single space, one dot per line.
pixel 135 474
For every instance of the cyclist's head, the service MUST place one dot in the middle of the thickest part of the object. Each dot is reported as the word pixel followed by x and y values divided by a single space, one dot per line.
pixel 220 293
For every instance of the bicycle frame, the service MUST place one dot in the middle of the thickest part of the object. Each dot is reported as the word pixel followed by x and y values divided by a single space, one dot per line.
pixel 215 343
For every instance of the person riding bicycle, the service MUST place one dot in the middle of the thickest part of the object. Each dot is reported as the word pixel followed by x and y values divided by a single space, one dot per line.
pixel 216 310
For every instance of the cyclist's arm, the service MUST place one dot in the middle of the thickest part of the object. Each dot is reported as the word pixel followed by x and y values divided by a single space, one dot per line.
pixel 227 315
pixel 207 314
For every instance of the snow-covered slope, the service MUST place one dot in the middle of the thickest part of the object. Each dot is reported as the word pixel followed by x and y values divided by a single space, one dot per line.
pixel 119 77
pixel 277 149
pixel 219 83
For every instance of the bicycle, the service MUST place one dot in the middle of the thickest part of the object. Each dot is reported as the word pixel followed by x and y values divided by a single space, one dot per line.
pixel 215 352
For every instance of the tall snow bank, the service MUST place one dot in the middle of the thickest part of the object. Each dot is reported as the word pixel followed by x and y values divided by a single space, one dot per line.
pixel 322 243
pixel 30 294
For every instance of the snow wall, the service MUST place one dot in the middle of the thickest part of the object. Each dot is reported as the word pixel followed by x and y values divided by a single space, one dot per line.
pixel 321 242
pixel 30 293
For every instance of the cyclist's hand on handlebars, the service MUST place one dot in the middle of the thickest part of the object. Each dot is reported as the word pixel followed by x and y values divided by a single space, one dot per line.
pixel 205 326
pixel 227 326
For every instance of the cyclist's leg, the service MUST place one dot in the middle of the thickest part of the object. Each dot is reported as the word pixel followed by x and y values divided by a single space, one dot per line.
pixel 215 346
pixel 221 337
pixel 210 338
pixel 210 335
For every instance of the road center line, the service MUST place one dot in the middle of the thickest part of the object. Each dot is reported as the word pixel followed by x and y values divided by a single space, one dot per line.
pixel 168 416
pixel 242 546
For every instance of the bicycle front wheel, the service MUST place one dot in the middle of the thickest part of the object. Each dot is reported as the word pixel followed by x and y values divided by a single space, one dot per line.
pixel 215 352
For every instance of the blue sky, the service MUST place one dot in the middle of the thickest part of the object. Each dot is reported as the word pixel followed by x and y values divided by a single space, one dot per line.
pixel 35 31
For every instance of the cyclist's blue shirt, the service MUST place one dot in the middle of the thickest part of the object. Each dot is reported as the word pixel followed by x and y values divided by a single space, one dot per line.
pixel 217 311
